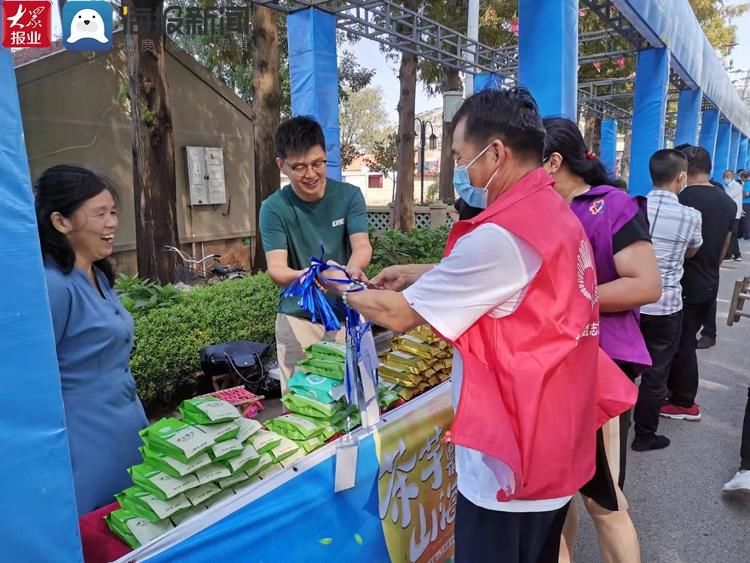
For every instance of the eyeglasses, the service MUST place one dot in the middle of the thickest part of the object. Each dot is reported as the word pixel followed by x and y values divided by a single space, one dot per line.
pixel 300 168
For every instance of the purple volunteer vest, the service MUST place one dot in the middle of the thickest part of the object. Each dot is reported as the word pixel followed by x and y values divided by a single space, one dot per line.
pixel 603 211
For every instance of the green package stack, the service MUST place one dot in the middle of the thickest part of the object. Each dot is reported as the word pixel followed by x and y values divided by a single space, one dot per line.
pixel 312 408
pixel 134 530
pixel 159 484
pixel 220 432
pixel 226 449
pixel 176 439
pixel 208 410
pixel 248 458
pixel 140 502
pixel 171 466
pixel 317 387
pixel 284 450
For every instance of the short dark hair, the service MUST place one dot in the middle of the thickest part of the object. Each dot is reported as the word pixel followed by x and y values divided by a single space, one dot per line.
pixel 508 114
pixel 298 135
pixel 666 165
pixel 564 137
pixel 699 161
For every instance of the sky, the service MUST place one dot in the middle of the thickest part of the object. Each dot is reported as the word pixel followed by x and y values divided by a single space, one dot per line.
pixel 386 72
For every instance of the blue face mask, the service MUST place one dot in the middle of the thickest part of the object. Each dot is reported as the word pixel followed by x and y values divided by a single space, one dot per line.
pixel 473 196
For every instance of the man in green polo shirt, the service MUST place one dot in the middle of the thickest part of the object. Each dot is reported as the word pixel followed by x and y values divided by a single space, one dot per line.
pixel 295 220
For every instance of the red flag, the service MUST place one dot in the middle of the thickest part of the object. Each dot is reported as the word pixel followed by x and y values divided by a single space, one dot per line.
pixel 598 67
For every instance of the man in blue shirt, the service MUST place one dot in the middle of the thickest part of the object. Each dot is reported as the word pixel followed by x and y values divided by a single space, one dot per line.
pixel 744 232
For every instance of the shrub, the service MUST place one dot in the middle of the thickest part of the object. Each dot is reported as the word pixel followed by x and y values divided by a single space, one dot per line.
pixel 138 295
pixel 418 246
pixel 168 339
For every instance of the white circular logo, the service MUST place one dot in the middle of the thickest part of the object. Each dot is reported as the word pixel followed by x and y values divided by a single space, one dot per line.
pixel 587 274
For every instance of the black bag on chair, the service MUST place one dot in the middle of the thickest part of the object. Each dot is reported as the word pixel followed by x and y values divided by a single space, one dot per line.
pixel 243 359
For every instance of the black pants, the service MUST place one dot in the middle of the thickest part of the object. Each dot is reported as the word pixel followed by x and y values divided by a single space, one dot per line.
pixel 662 336
pixel 683 375
pixel 734 245
pixel 509 537
pixel 709 323
pixel 744 229
pixel 745 448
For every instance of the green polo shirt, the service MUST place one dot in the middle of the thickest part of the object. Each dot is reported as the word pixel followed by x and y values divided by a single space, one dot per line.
pixel 299 227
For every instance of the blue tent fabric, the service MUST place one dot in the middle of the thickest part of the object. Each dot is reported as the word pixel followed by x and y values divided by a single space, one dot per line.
pixel 742 153
pixel 314 78
pixel 688 116
pixel 734 148
pixel 721 158
pixel 608 150
pixel 649 107
pixel 38 503
pixel 487 81
pixel 709 131
pixel 548 54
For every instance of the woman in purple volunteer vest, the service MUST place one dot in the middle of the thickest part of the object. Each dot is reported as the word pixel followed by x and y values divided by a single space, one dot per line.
pixel 628 277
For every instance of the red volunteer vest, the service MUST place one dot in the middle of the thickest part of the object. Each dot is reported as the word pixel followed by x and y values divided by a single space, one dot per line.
pixel 536 385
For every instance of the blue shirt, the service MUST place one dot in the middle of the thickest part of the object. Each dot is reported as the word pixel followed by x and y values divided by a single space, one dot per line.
pixel 103 414
pixel 745 190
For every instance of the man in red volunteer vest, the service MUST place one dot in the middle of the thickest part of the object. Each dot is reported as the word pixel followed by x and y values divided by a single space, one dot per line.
pixel 516 297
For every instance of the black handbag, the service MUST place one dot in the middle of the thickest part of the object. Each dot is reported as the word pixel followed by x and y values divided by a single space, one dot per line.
pixel 242 358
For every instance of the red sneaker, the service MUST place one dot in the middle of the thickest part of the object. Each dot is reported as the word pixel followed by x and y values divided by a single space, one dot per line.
pixel 681 413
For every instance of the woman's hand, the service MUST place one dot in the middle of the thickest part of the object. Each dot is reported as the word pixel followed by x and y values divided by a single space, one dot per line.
pixel 397 278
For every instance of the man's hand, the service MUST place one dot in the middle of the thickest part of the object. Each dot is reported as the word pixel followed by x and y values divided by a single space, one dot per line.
pixel 356 273
pixel 397 278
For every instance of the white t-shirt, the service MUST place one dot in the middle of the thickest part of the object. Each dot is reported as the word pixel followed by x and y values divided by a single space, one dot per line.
pixel 734 190
pixel 487 271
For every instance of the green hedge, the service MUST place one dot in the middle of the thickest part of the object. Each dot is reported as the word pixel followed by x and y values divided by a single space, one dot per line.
pixel 168 340
pixel 418 246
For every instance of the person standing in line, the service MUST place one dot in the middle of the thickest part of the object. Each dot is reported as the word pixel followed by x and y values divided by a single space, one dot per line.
pixel 733 188
pixel 740 483
pixel 520 307
pixel 676 234
pixel 700 282
pixel 628 277
pixel 745 220
pixel 295 220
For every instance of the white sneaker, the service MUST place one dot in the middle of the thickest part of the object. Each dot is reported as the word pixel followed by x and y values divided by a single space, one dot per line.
pixel 740 482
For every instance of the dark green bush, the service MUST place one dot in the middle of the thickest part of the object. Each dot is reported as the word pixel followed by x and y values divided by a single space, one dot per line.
pixel 168 339
pixel 418 246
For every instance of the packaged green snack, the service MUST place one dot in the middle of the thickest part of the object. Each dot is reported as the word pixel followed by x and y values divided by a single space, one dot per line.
pixel 171 466
pixel 222 431
pixel 229 482
pixel 323 389
pixel 212 473
pixel 333 369
pixel 295 426
pixel 248 458
pixel 226 449
pixel 285 449
pixel 387 397
pixel 327 350
pixel 176 439
pixel 292 459
pixel 187 514
pixel 199 495
pixel 264 441
pixel 265 461
pixel 142 503
pixel 311 444
pixel 134 530
pixel 208 410
pixel 216 499
pixel 306 406
pixel 159 484
pixel 246 484
pixel 248 427
pixel 270 471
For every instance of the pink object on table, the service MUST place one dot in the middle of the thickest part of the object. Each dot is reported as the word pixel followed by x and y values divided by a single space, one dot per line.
pixel 99 544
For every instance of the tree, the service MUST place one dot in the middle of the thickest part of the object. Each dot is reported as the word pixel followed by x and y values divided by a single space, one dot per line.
pixel 154 183
pixel 266 103
pixel 715 17
pixel 362 119
pixel 385 157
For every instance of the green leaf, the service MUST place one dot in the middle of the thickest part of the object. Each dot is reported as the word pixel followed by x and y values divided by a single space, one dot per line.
pixel 326 541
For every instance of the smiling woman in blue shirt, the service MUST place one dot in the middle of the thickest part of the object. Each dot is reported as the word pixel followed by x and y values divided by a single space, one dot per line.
pixel 76 211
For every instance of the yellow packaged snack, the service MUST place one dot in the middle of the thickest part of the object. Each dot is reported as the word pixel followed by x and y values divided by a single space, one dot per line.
pixel 413 345
pixel 406 361
pixel 398 375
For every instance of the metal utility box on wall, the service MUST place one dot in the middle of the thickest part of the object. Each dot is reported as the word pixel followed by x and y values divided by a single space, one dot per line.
pixel 206 176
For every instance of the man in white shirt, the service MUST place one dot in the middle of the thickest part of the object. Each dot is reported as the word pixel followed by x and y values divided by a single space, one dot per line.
pixel 734 190
pixel 675 231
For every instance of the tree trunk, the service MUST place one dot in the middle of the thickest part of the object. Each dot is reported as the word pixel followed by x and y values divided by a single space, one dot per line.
pixel 451 81
pixel 403 214
pixel 266 103
pixel 154 184
pixel 592 135
pixel 625 161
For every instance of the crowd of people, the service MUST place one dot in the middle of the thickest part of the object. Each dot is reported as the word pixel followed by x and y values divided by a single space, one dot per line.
pixel 558 291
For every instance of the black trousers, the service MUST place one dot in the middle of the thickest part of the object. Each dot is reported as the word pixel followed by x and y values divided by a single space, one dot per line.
pixel 734 245
pixel 709 323
pixel 662 336
pixel 745 448
pixel 507 537
pixel 683 375
pixel 744 229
